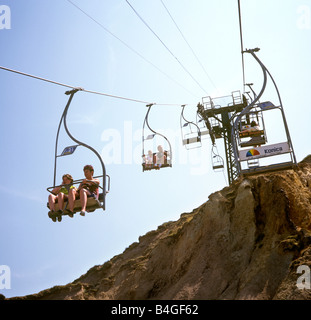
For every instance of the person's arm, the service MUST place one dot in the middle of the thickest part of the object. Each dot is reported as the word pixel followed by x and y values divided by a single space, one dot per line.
pixel 81 185
pixel 56 190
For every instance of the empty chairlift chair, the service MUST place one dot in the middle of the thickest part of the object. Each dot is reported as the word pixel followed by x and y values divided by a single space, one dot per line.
pixel 217 161
pixel 191 134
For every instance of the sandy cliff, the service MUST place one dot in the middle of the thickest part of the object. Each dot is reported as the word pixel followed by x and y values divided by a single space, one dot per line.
pixel 245 242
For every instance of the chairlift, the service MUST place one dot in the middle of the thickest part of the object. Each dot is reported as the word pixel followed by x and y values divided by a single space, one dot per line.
pixel 252 129
pixel 217 161
pixel 191 134
pixel 255 149
pixel 93 203
pixel 158 147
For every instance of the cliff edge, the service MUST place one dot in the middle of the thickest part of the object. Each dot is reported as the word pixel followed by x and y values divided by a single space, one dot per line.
pixel 245 242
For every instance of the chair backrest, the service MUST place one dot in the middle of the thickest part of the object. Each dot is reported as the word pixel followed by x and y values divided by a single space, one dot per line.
pixel 165 159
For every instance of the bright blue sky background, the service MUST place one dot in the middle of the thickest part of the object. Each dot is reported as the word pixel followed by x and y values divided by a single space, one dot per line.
pixel 54 40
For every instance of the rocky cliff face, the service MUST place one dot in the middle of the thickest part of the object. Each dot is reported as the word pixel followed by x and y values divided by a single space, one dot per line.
pixel 245 242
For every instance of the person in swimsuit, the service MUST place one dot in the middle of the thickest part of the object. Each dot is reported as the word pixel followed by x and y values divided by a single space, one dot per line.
pixel 160 156
pixel 88 187
pixel 62 193
pixel 149 159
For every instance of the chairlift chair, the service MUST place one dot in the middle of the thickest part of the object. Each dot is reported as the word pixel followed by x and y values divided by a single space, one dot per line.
pixel 255 149
pixel 217 161
pixel 93 203
pixel 191 133
pixel 155 158
pixel 252 129
pixel 102 190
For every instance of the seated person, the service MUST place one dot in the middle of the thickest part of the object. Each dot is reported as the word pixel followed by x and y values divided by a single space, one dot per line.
pixel 254 127
pixel 149 159
pixel 62 193
pixel 88 187
pixel 160 156
pixel 256 140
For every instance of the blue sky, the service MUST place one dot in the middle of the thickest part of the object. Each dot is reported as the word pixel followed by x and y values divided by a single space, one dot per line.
pixel 55 40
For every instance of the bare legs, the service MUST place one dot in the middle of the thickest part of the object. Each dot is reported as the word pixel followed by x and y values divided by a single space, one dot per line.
pixel 60 198
pixel 71 199
pixel 52 199
pixel 72 195
pixel 83 198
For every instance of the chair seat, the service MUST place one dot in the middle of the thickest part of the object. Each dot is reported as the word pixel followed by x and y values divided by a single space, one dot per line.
pixel 246 134
pixel 148 167
pixel 91 205
pixel 256 141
